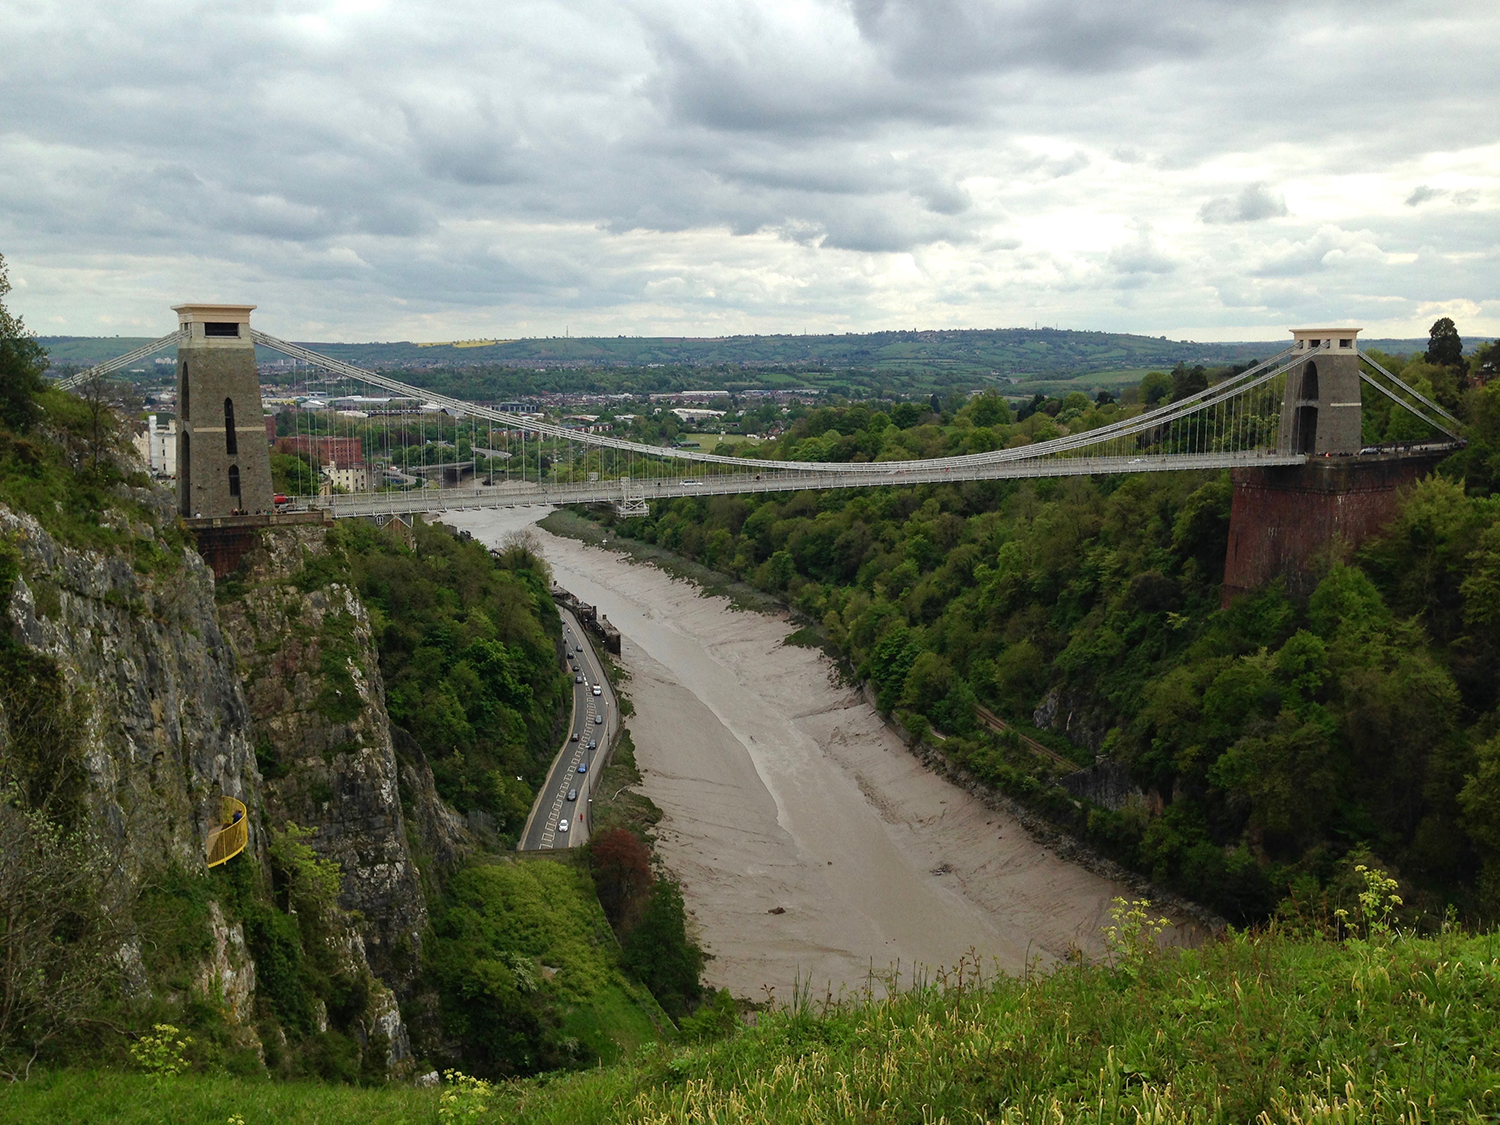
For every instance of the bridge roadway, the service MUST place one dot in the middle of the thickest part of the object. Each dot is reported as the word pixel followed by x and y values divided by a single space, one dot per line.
pixel 544 825
pixel 518 494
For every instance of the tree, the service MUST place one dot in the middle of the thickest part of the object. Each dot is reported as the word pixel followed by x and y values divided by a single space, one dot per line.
pixel 58 929
pixel 660 955
pixel 22 364
pixel 989 409
pixel 1188 381
pixel 1155 387
pixel 1444 347
pixel 1486 365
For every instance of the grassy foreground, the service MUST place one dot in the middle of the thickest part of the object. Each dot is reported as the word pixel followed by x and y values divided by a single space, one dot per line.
pixel 1256 1028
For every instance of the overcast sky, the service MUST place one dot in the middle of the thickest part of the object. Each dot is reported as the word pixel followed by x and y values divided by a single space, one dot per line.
pixel 1207 169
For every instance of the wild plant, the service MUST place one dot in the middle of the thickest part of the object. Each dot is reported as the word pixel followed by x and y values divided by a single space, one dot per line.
pixel 161 1055
pixel 464 1100
pixel 1377 904
pixel 1135 936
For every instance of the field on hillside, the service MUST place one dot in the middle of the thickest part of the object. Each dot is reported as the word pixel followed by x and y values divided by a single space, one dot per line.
pixel 864 365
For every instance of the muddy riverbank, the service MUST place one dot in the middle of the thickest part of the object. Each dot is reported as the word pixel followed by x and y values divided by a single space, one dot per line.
pixel 810 843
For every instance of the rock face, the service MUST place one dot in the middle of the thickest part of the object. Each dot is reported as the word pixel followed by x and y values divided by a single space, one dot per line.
pixel 1073 714
pixel 229 971
pixel 324 740
pixel 166 723
pixel 272 696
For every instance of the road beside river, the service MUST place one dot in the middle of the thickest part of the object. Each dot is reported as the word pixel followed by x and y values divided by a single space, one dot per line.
pixel 811 845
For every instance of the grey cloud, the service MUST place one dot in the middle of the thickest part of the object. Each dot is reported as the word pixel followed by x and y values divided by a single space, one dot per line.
pixel 966 36
pixel 1255 202
pixel 572 153
pixel 1141 256
pixel 1424 194
pixel 1327 247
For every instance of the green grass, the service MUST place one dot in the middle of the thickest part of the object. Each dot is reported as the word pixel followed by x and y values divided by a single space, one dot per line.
pixel 1252 1028
pixel 543 910
pixel 619 1019
pixel 89 1097
pixel 1299 1030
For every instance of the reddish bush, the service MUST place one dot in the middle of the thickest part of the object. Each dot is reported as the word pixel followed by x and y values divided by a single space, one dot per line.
pixel 622 873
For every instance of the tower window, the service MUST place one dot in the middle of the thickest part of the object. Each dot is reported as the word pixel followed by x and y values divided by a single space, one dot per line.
pixel 231 443
pixel 234 480
pixel 221 328
pixel 185 388
pixel 1346 343
pixel 1310 383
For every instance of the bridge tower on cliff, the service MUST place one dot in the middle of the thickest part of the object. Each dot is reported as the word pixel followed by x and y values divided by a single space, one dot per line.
pixel 223 459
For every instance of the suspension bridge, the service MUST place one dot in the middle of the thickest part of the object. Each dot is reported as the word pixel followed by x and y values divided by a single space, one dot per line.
pixel 1302 403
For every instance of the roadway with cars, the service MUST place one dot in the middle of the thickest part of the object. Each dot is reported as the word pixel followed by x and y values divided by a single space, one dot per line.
pixel 556 820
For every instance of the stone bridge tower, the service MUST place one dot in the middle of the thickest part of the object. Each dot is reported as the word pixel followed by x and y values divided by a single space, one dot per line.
pixel 1320 412
pixel 223 458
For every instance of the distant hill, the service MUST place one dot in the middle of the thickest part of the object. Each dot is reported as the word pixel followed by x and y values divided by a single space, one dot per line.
pixel 854 362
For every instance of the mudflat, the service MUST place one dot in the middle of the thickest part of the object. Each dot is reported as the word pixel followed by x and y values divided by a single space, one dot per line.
pixel 810 843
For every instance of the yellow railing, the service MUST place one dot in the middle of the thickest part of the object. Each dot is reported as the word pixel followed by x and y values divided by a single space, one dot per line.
pixel 229 839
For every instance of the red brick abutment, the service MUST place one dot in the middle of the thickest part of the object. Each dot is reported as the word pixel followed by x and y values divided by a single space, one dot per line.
pixel 1287 521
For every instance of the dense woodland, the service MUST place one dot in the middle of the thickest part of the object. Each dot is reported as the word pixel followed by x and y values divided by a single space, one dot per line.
pixel 1270 740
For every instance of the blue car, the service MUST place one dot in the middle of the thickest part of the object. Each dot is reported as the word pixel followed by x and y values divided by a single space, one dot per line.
pixel 583 767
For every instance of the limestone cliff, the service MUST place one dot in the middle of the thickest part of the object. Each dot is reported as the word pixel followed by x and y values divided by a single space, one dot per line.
pixel 166 726
pixel 155 705
pixel 324 740
pixel 273 695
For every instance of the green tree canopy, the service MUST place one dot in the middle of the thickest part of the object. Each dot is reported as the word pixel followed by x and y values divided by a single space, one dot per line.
pixel 22 363
pixel 1444 347
pixel 1155 387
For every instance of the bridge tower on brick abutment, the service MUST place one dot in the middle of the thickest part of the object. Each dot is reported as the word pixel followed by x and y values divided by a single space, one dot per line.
pixel 1285 521
pixel 1320 411
pixel 223 458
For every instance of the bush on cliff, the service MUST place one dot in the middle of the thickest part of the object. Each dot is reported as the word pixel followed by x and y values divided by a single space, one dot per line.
pixel 528 973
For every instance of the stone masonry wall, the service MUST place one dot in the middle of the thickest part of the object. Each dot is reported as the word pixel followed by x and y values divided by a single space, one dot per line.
pixel 1285 520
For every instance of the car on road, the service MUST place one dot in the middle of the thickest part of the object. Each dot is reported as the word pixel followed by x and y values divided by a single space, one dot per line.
pixel 578 679
pixel 593 744
pixel 583 767
pixel 598 718
pixel 572 794
pixel 598 690
pixel 573 737
pixel 562 825
pixel 578 648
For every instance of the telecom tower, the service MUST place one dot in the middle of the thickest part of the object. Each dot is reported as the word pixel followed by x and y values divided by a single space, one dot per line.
pixel 223 458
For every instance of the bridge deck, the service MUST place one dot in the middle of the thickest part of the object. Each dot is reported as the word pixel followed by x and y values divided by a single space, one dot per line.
pixel 609 491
